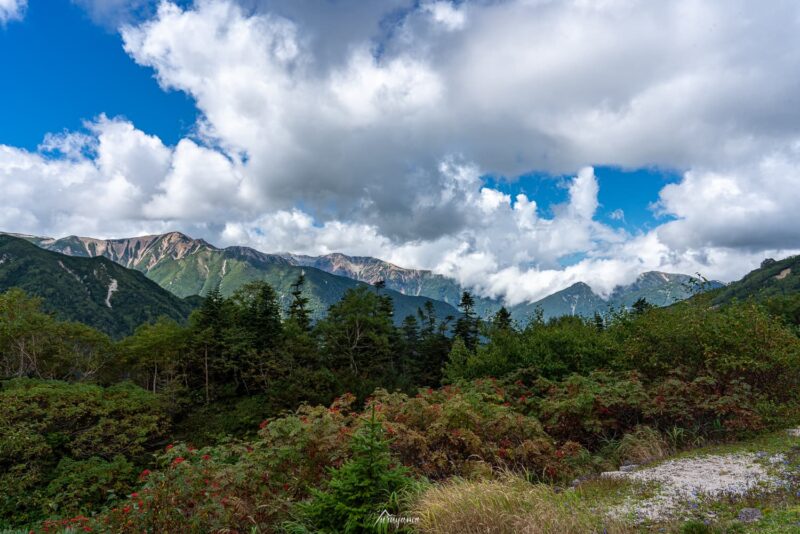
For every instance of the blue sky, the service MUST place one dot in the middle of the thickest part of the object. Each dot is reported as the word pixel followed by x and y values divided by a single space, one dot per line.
pixel 67 69
pixel 395 128
pixel 633 191
pixel 62 69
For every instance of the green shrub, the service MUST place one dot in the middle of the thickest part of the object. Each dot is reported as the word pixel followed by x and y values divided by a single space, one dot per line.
pixel 588 409
pixel 80 486
pixel 47 426
pixel 740 342
pixel 563 346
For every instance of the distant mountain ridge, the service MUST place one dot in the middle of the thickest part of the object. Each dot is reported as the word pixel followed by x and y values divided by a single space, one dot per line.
pixel 658 288
pixel 187 266
pixel 95 291
pixel 417 282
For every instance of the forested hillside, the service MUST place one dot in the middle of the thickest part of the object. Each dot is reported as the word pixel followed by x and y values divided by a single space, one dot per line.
pixel 93 291
pixel 772 279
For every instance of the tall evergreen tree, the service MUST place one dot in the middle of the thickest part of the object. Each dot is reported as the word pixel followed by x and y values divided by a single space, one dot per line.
pixel 357 339
pixel 298 309
pixel 258 316
pixel 467 326
pixel 641 306
pixel 599 322
pixel 208 329
pixel 502 319
pixel 434 346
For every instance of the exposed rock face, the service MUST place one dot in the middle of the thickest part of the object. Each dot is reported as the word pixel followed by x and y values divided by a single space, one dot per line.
pixel 141 253
pixel 682 482
pixel 187 267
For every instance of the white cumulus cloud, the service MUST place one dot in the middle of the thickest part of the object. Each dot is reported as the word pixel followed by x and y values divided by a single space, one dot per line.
pixel 12 10
pixel 366 127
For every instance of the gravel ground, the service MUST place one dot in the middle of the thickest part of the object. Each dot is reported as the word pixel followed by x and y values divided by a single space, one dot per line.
pixel 682 483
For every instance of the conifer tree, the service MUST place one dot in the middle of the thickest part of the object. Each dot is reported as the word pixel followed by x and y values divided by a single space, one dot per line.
pixel 258 316
pixel 298 309
pixel 357 338
pixel 208 324
pixel 360 490
pixel 467 326
pixel 502 319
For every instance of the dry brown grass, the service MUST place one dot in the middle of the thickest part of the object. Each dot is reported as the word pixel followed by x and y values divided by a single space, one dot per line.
pixel 643 445
pixel 508 505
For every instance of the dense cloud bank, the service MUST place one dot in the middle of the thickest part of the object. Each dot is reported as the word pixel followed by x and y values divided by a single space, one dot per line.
pixel 365 127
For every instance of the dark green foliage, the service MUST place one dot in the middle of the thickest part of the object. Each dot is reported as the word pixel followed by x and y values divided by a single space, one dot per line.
pixel 80 289
pixel 468 325
pixel 787 308
pixel 741 342
pixel 49 429
pixel 564 345
pixel 79 486
pixel 502 320
pixel 433 346
pixel 641 306
pixel 588 409
pixel 298 309
pixel 359 491
pixel 156 358
pixel 257 317
pixel 567 392
pixel 356 340
pixel 33 343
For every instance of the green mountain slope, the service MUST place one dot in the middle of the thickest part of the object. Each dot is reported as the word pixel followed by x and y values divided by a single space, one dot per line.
pixel 95 291
pixel 659 289
pixel 772 279
pixel 187 266
pixel 577 299
pixel 418 282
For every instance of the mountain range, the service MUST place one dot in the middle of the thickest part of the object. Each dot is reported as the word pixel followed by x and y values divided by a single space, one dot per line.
pixel 659 289
pixel 186 266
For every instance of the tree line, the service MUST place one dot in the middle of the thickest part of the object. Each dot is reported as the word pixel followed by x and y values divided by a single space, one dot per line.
pixel 245 345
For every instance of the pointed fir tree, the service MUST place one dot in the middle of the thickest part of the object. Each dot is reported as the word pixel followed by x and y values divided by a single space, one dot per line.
pixel 467 326
pixel 368 484
pixel 298 309
pixel 502 319
pixel 641 306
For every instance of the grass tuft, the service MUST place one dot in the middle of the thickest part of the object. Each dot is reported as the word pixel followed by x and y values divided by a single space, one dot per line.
pixel 643 445
pixel 508 504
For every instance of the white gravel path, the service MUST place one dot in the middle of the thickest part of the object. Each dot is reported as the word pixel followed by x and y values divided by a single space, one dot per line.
pixel 682 482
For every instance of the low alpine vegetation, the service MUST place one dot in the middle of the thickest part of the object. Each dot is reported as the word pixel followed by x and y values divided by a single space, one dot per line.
pixel 246 420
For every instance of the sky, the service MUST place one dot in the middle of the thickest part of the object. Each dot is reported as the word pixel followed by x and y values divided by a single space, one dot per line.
pixel 518 146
